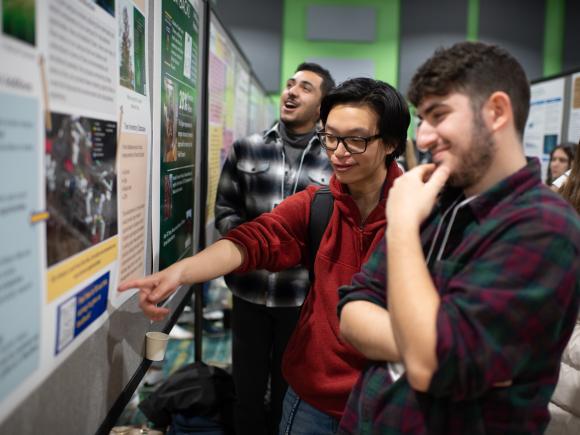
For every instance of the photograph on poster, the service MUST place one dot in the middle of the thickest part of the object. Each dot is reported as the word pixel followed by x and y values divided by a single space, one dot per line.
pixel 19 20
pixel 131 48
pixel 188 227
pixel 81 189
pixel 126 38
pixel 169 120
pixel 107 5
pixel 167 196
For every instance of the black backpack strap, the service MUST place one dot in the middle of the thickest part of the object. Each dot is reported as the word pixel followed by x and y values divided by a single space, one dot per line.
pixel 320 212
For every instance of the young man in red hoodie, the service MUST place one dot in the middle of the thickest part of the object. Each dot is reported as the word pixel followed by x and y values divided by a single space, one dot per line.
pixel 365 127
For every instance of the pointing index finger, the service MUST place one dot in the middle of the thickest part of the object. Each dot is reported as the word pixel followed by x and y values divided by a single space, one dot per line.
pixel 147 282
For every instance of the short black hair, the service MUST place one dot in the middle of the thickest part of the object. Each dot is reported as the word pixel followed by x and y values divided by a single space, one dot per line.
pixel 327 80
pixel 476 70
pixel 385 100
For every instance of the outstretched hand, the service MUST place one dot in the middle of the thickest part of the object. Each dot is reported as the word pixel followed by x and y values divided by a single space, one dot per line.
pixel 153 289
pixel 413 194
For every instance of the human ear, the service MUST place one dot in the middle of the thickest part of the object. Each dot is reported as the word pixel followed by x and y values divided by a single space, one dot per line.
pixel 498 111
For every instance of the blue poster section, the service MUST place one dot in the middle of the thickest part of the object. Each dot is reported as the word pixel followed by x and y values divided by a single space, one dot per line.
pixel 20 267
pixel 78 312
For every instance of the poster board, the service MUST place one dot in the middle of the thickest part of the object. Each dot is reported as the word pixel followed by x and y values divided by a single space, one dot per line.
pixel 176 108
pixel 573 127
pixel 544 126
pixel 76 156
pixel 236 103
pixel 554 116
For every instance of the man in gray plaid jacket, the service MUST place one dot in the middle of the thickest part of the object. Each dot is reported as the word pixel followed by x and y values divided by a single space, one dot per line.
pixel 260 171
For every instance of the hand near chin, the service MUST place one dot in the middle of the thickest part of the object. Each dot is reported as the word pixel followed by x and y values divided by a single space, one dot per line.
pixel 413 195
pixel 154 289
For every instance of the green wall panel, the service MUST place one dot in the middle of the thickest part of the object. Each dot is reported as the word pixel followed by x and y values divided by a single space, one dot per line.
pixel 384 51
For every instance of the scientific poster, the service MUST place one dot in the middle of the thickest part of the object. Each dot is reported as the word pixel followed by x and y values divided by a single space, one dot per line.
pixel 80 159
pixel 74 159
pixel 544 125
pixel 175 106
pixel 242 99
pixel 21 214
pixel 134 147
pixel 222 104
pixel 573 132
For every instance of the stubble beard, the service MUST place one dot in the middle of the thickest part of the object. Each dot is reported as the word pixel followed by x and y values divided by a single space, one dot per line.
pixel 476 161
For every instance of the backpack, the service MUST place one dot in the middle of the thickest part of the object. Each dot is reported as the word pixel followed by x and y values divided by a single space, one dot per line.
pixel 320 212
pixel 197 398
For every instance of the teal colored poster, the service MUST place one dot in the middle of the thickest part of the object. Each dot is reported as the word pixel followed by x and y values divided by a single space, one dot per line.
pixel 179 84
pixel 20 259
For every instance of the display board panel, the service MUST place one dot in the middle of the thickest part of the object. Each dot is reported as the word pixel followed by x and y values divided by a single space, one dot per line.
pixel 75 124
pixel 175 108
pixel 91 210
pixel 221 93
pixel 75 154
pixel 544 126
pixel 573 127
pixel 234 97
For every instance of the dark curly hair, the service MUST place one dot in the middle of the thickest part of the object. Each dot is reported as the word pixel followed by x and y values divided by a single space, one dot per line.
pixel 476 70
pixel 387 103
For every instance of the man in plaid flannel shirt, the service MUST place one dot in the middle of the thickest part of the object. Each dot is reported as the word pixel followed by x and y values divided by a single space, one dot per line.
pixel 260 171
pixel 481 267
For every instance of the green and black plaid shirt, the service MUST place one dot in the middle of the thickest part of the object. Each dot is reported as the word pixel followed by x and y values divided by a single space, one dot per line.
pixel 508 274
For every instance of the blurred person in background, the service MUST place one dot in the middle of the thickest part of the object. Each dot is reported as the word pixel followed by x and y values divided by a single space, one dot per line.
pixel 560 162
pixel 564 405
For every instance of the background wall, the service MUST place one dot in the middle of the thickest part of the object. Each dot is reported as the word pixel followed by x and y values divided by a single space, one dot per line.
pixel 426 25
pixel 383 51
pixel 571 49
pixel 256 26
pixel 518 27
pixel 273 33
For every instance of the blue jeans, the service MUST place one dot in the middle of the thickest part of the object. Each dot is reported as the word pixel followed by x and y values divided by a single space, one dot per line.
pixel 299 418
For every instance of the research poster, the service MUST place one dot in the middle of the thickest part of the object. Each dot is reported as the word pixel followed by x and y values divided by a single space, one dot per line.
pixel 242 99
pixel 80 159
pixel 175 108
pixel 21 204
pixel 134 147
pixel 544 125
pixel 573 133
pixel 74 159
pixel 222 105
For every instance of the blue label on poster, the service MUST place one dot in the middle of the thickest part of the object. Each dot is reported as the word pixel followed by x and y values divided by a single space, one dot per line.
pixel 79 311
pixel 91 303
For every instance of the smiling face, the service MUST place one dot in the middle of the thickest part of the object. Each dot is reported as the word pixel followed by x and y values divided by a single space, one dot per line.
pixel 300 102
pixel 358 171
pixel 457 138
pixel 559 163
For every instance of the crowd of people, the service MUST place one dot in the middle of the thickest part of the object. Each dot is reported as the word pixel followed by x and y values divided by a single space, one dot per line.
pixel 439 300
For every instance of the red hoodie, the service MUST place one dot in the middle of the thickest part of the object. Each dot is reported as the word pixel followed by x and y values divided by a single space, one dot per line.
pixel 318 366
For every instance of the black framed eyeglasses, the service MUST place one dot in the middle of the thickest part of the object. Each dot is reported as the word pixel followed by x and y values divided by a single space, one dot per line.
pixel 353 144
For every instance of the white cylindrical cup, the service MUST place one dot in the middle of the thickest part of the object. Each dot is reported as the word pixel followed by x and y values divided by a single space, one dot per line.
pixel 156 345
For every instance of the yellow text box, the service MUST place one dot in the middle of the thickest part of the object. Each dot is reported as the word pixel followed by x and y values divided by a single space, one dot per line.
pixel 68 274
